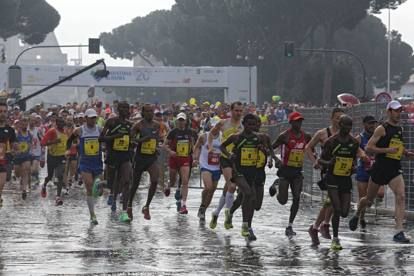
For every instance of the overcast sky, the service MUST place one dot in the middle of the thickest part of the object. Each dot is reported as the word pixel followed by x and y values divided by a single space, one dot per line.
pixel 81 19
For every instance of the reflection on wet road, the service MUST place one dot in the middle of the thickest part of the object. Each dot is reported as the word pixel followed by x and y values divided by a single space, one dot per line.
pixel 39 238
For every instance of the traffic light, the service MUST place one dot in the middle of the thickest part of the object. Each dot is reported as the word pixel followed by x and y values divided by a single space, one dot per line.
pixel 289 49
pixel 94 45
pixel 3 55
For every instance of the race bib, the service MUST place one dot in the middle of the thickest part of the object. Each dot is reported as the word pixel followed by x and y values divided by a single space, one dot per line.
pixel 343 166
pixel 296 158
pixel 60 148
pixel 91 147
pixel 23 147
pixel 396 143
pixel 213 158
pixel 121 144
pixel 183 148
pixel 248 157
pixel 261 160
pixel 149 146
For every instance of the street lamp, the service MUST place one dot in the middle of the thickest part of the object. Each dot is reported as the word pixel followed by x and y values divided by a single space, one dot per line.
pixel 250 50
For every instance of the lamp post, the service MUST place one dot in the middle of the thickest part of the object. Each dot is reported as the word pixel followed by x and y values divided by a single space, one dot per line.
pixel 250 53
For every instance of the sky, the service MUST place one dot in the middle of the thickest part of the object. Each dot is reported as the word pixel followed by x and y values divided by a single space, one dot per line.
pixel 82 19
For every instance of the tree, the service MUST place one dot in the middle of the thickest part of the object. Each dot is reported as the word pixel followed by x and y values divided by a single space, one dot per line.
pixel 213 32
pixel 31 19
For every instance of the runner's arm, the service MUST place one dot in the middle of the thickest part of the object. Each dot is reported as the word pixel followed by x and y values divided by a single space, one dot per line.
pixel 372 143
pixel 223 146
pixel 197 147
pixel 310 148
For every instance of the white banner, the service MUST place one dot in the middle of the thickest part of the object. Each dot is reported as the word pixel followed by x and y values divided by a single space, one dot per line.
pixel 33 75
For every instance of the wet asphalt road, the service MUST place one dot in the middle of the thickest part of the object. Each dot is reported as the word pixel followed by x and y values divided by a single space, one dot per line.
pixel 37 238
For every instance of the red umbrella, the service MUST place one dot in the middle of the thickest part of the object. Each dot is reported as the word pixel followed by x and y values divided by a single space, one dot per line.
pixel 348 99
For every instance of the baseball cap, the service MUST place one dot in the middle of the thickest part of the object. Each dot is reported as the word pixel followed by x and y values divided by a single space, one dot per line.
pixel 89 113
pixel 181 116
pixel 295 116
pixel 81 115
pixel 369 119
pixel 394 105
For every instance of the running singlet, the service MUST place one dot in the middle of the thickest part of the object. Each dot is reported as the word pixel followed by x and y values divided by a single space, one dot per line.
pixel 148 147
pixel 58 149
pixel 89 147
pixel 7 137
pixel 246 150
pixel 392 139
pixel 36 149
pixel 228 130
pixel 343 154
pixel 181 141
pixel 210 160
pixel 364 166
pixel 24 143
pixel 120 144
pixel 293 153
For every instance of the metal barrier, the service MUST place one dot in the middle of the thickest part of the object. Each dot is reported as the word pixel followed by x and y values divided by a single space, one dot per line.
pixel 318 118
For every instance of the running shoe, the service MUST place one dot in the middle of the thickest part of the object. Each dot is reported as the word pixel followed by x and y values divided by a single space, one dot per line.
pixel 183 210
pixel 129 212
pixel 24 195
pixel 336 245
pixel 58 201
pixel 201 214
pixel 289 232
pixel 324 230
pixel 363 224
pixel 43 192
pixel 273 188
pixel 113 206
pixel 146 212
pixel 213 222
pixel 110 200
pixel 245 230
pixel 252 236
pixel 97 188
pixel 401 238
pixel 228 219
pixel 94 221
pixel 123 217
pixel 313 233
pixel 353 223
pixel 167 191
pixel 1 202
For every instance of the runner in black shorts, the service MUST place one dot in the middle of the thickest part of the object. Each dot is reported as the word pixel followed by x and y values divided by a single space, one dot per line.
pixel 338 156
pixel 387 143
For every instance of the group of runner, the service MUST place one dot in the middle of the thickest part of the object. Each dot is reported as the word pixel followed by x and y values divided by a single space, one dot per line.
pixel 123 149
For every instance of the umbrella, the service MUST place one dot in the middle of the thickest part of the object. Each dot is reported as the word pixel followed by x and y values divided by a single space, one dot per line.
pixel 348 99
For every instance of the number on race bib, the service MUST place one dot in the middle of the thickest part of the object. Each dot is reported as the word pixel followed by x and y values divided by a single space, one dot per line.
pixel 343 166
pixel 91 147
pixel 183 148
pixel 396 143
pixel 248 157
pixel 296 158
pixel 122 143
pixel 213 158
pixel 149 147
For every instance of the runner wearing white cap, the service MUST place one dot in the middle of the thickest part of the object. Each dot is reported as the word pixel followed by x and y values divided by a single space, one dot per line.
pixel 388 145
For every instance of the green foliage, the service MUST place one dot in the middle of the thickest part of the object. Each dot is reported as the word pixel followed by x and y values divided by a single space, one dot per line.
pixel 32 19
pixel 214 32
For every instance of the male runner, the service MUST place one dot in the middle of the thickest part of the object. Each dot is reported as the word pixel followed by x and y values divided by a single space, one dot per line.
pixel 226 127
pixel 322 221
pixel 388 146
pixel 90 156
pixel 55 139
pixel 116 135
pixel 292 142
pixel 338 156
pixel 148 131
